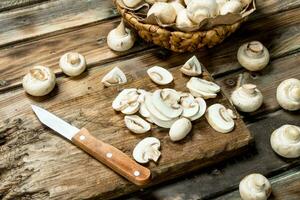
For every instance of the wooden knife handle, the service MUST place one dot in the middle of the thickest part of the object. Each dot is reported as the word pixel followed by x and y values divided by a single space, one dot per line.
pixel 112 157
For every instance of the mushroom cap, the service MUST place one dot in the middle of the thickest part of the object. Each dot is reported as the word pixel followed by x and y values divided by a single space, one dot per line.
pixel 184 23
pixel 247 98
pixel 177 6
pixel 220 118
pixel 120 38
pixel 136 124
pixel 192 67
pixel 72 63
pixel 255 187
pixel 127 101
pixel 39 81
pixel 132 3
pixel 253 56
pixel 232 6
pixel 115 77
pixel 197 10
pixel 160 75
pixel 147 149
pixel 165 12
pixel 285 141
pixel 288 94
pixel 180 129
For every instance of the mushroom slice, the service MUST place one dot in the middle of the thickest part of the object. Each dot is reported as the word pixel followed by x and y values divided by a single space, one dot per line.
pixel 203 88
pixel 127 101
pixel 288 94
pixel 189 104
pixel 192 67
pixel 166 101
pixel 114 77
pixel 255 187
pixel 220 118
pixel 146 150
pixel 136 124
pixel 160 75
pixel 155 116
pixel 201 111
pixel 285 141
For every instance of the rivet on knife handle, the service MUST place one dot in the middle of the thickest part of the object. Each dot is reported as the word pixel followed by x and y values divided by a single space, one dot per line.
pixel 112 157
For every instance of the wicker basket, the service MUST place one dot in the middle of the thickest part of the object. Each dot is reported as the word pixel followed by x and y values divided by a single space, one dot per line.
pixel 176 40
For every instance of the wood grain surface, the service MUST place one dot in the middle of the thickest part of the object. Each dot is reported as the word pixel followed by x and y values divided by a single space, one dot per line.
pixel 6 5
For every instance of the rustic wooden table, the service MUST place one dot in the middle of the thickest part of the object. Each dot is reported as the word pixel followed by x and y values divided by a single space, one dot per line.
pixel 40 31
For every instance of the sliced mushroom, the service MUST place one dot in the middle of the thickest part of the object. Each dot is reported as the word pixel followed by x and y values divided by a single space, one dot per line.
pixel 201 111
pixel 166 101
pixel 114 77
pixel 192 67
pixel 247 98
pixel 146 150
pixel 220 118
pixel 189 104
pixel 255 187
pixel 136 124
pixel 160 75
pixel 72 63
pixel 285 141
pixel 39 81
pixel 203 88
pixel 127 101
pixel 288 94
pixel 180 129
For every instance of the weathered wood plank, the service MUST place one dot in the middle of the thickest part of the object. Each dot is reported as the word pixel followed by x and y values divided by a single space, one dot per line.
pixel 225 177
pixel 47 164
pixel 284 186
pixel 6 5
pixel 267 80
pixel 53 16
pixel 281 41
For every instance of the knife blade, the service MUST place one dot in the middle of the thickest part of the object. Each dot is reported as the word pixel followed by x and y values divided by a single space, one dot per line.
pixel 103 152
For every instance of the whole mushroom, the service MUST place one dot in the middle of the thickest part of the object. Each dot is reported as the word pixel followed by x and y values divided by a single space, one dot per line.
pixel 253 56
pixel 120 38
pixel 180 129
pixel 165 12
pixel 288 94
pixel 255 187
pixel 198 10
pixel 184 23
pixel 39 81
pixel 247 98
pixel 285 141
pixel 72 63
pixel 146 150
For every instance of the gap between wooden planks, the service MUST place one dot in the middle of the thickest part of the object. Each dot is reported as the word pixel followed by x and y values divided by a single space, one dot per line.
pixel 225 177
pixel 283 26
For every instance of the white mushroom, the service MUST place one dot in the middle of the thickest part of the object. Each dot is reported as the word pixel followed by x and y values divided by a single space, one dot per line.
pixel 120 38
pixel 180 129
pixel 198 10
pixel 132 3
pixel 189 104
pixel 253 56
pixel 114 77
pixel 203 88
pixel 285 141
pixel 232 6
pixel 221 3
pixel 220 118
pixel 160 75
pixel 192 67
pixel 288 94
pixel 153 1
pixel 165 12
pixel 136 124
pixel 72 63
pixel 127 101
pixel 247 98
pixel 255 187
pixel 146 150
pixel 39 81
pixel 177 6
pixel 184 23
pixel 201 111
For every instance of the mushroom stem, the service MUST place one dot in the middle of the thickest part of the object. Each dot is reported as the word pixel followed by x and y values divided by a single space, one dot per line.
pixel 121 31
pixel 292 133
pixel 38 74
pixel 254 49
pixel 259 183
pixel 152 154
pixel 249 89
pixel 73 58
pixel 295 93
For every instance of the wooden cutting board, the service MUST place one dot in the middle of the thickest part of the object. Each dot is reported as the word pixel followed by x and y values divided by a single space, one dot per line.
pixel 63 171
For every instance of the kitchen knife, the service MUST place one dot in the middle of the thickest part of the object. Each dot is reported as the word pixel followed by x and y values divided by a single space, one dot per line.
pixel 105 153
